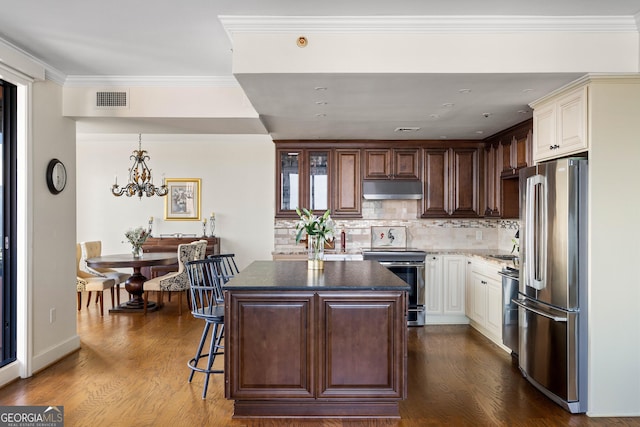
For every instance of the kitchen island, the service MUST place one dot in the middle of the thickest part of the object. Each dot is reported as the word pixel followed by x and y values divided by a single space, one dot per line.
pixel 316 343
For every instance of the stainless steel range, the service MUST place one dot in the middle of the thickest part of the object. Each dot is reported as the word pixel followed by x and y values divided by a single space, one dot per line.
pixel 408 264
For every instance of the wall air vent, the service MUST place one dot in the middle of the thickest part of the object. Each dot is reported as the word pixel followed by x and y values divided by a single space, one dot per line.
pixel 111 100
pixel 406 129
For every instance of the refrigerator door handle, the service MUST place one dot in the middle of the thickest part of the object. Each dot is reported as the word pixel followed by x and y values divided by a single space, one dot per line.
pixel 523 304
pixel 536 231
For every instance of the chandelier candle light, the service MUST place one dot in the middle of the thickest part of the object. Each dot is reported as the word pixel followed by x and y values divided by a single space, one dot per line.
pixel 319 229
pixel 212 223
pixel 140 179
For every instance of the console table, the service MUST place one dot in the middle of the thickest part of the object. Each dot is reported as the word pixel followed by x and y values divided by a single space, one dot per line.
pixel 170 244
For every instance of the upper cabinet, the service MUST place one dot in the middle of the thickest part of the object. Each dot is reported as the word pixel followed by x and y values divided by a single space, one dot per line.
pixel 347 192
pixel 560 124
pixel 505 154
pixel 451 182
pixel 303 180
pixel 318 178
pixel 392 163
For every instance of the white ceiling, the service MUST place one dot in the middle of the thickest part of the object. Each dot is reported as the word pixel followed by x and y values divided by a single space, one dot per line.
pixel 186 39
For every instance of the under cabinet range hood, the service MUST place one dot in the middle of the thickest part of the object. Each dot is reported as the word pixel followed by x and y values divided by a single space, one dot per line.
pixel 391 189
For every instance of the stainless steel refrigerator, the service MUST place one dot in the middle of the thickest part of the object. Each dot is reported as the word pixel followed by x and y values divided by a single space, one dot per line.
pixel 552 298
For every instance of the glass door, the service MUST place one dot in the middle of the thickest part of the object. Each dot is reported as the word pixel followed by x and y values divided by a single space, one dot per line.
pixel 319 180
pixel 8 96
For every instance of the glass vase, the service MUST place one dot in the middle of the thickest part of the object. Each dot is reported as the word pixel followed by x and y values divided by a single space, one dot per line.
pixel 315 245
pixel 136 251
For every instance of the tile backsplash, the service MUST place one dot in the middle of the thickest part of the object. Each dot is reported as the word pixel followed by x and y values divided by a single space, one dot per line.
pixel 426 234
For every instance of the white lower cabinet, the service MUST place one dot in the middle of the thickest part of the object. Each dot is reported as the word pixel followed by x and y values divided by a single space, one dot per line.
pixel 445 293
pixel 484 298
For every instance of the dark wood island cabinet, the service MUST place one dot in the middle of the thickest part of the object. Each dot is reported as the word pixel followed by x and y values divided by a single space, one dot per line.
pixel 309 343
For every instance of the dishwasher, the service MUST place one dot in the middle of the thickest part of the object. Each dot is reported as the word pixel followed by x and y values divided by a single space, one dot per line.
pixel 510 283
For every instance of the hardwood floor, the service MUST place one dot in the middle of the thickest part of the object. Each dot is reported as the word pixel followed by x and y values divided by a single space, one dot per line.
pixel 132 371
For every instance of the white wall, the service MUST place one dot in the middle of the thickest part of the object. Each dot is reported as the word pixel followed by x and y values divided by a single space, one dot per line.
pixel 51 245
pixel 614 299
pixel 237 173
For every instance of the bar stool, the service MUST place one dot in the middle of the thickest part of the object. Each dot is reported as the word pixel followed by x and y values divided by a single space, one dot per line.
pixel 227 266
pixel 207 303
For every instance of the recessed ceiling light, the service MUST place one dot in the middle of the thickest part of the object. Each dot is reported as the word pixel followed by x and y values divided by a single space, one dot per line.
pixel 479 132
pixel 486 115
pixel 443 136
pixel 434 116
pixel 464 90
pixel 448 105
pixel 527 90
pixel 320 88
pixel 406 129
pixel 321 102
pixel 523 112
pixel 321 115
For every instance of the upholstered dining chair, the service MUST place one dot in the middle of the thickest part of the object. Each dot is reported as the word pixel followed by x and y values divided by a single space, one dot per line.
pixel 176 281
pixel 93 249
pixel 86 282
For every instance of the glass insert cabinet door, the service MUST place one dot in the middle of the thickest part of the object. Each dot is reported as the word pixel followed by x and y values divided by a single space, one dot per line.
pixel 318 180
pixel 303 180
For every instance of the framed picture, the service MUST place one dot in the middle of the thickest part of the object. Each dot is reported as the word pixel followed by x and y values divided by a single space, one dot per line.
pixel 389 237
pixel 182 202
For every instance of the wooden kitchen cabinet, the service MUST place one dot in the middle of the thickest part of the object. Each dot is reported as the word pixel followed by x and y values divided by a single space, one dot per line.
pixel 303 179
pixel 445 289
pixel 484 298
pixel 505 154
pixel 492 180
pixel 560 124
pixel 347 193
pixel 307 343
pixel 433 304
pixel 392 163
pixel 451 182
pixel 318 177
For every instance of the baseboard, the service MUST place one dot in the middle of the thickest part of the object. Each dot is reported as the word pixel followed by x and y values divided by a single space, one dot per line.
pixel 55 353
pixel 443 319
pixel 9 373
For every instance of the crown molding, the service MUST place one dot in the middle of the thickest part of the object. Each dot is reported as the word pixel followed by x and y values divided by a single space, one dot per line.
pixel 211 81
pixel 428 24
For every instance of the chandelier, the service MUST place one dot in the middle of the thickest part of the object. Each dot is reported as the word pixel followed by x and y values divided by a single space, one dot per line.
pixel 140 180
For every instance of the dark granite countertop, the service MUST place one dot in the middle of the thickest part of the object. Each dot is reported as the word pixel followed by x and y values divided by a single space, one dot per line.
pixel 336 276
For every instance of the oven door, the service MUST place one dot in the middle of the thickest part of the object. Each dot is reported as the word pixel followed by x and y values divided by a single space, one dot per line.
pixel 413 274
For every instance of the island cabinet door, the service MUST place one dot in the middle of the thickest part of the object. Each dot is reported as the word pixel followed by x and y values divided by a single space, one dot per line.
pixel 269 345
pixel 362 345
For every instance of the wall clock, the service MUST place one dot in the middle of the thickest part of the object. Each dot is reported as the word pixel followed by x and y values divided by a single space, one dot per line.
pixel 56 176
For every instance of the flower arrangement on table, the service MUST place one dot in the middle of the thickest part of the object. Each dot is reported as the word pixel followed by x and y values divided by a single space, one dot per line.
pixel 319 229
pixel 136 237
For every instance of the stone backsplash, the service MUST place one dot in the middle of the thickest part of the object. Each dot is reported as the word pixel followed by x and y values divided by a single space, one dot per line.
pixel 426 234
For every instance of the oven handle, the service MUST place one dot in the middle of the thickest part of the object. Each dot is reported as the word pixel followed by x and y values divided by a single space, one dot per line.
pixel 402 263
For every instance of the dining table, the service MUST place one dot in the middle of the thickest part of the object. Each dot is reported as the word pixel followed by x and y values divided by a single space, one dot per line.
pixel 135 283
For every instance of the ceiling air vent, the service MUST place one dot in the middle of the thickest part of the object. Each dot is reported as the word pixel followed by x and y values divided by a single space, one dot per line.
pixel 112 100
pixel 406 129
